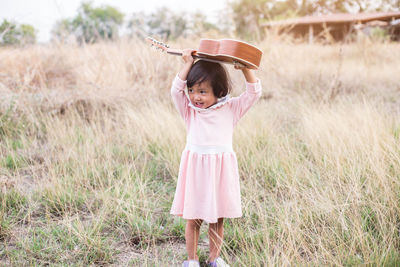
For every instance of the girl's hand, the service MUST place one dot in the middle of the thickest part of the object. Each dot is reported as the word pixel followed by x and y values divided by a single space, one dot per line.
pixel 188 59
pixel 248 74
pixel 187 56
pixel 238 65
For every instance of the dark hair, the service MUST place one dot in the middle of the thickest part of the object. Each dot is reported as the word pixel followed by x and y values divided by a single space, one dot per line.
pixel 215 73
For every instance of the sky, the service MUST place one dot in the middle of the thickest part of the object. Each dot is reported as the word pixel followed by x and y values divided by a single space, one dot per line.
pixel 42 14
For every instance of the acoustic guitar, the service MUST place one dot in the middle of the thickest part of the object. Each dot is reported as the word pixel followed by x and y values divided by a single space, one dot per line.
pixel 221 51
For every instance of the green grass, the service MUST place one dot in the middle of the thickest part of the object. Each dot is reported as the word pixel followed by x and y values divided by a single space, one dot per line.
pixel 90 182
pixel 14 162
pixel 74 244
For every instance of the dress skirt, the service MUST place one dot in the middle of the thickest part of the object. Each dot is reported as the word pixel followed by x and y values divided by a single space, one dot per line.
pixel 208 187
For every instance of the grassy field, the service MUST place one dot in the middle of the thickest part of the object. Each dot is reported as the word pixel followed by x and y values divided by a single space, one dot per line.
pixel 90 146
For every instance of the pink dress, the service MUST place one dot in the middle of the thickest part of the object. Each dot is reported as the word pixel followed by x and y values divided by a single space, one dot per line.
pixel 208 182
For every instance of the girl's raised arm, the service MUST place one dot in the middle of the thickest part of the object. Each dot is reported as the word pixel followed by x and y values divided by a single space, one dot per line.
pixel 248 74
pixel 178 85
pixel 188 59
pixel 241 104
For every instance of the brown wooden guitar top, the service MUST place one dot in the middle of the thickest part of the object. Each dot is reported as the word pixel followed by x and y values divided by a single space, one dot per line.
pixel 228 50
pixel 222 51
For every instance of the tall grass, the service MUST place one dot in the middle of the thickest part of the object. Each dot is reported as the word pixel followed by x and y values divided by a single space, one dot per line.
pixel 90 146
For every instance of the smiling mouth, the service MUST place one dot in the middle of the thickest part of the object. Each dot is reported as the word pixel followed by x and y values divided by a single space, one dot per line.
pixel 198 104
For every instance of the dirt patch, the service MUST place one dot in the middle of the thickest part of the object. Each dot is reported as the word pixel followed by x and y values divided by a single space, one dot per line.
pixel 161 254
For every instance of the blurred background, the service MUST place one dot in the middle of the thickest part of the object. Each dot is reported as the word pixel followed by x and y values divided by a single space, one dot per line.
pixel 51 20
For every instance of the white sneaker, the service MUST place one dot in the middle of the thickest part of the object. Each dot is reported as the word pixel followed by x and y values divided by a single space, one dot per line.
pixel 191 263
pixel 218 262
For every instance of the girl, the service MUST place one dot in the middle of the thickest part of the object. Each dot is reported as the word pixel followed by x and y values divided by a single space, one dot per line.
pixel 208 182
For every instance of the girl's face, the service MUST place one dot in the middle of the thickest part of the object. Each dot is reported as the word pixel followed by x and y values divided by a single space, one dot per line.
pixel 201 95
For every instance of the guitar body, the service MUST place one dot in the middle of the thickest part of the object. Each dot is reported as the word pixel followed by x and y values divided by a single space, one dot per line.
pixel 220 51
pixel 230 51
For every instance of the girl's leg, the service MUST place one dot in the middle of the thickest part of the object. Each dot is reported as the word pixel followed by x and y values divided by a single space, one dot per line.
pixel 215 236
pixel 192 237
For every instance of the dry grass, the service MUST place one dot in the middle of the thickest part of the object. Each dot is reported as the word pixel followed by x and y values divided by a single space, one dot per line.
pixel 90 146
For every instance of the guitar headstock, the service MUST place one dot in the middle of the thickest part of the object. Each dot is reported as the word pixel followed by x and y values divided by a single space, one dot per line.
pixel 157 44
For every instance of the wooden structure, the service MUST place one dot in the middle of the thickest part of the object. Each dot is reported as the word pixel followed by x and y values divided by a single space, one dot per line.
pixel 338 26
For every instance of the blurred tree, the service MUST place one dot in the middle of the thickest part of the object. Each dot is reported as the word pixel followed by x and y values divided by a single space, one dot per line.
pixel 198 24
pixel 13 34
pixel 163 23
pixel 167 24
pixel 392 5
pixel 344 6
pixel 290 8
pixel 247 16
pixel 225 22
pixel 62 30
pixel 250 14
pixel 91 24
pixel 137 25
pixel 349 6
pixel 367 5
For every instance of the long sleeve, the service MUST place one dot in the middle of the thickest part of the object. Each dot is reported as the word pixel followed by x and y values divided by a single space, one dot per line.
pixel 241 104
pixel 179 98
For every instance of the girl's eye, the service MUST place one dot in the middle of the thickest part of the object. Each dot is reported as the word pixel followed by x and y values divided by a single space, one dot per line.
pixel 203 92
pixel 190 90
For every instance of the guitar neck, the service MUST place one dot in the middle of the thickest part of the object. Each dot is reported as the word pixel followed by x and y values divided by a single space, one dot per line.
pixel 177 52
pixel 174 52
